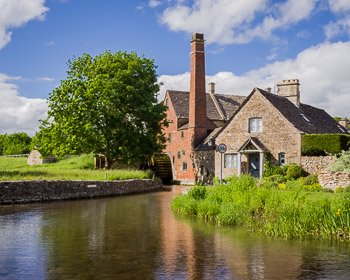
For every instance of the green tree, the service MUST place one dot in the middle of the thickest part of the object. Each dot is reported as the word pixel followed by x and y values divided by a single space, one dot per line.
pixel 106 105
pixel 14 144
pixel 2 142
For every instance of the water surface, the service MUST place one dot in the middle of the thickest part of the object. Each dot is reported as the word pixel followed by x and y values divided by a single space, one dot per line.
pixel 138 237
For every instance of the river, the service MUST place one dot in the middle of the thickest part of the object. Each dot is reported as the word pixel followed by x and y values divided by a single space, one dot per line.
pixel 138 237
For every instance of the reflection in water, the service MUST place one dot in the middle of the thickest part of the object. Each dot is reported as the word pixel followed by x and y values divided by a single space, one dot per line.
pixel 138 237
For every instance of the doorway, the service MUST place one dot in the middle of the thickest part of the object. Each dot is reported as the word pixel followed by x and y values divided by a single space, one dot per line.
pixel 254 164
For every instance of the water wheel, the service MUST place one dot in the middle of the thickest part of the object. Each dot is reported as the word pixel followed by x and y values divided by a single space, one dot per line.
pixel 161 166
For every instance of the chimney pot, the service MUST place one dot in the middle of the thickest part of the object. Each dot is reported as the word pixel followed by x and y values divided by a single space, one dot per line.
pixel 268 89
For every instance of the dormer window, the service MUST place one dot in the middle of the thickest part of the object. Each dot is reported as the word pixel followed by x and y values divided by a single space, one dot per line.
pixel 255 125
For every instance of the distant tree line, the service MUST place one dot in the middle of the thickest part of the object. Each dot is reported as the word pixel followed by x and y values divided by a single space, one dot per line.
pixel 15 144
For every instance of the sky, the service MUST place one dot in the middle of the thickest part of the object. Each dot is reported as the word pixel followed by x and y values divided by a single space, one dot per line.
pixel 249 44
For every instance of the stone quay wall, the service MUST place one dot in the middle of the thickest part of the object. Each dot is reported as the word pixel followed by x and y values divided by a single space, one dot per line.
pixel 12 192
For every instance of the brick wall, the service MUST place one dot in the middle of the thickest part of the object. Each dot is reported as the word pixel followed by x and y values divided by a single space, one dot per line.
pixel 40 191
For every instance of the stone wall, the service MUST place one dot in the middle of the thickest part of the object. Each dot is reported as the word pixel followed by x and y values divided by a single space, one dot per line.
pixel 327 179
pixel 331 180
pixel 40 191
pixel 205 164
pixel 315 165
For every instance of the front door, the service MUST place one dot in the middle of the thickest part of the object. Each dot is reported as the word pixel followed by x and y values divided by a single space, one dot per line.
pixel 254 165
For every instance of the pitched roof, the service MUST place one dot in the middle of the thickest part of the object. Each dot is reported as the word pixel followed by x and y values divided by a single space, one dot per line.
pixel 306 118
pixel 228 104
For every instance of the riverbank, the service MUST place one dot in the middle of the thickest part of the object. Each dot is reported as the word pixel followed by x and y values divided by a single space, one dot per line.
pixel 72 168
pixel 290 210
pixel 13 192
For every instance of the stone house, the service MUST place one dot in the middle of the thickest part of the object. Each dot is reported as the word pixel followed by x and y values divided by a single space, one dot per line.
pixel 270 125
pixel 252 128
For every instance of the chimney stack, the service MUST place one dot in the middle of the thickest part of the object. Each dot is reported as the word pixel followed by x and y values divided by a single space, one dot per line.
pixel 197 107
pixel 268 89
pixel 211 88
pixel 290 90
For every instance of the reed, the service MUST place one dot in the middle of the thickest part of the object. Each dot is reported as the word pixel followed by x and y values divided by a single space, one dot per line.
pixel 296 210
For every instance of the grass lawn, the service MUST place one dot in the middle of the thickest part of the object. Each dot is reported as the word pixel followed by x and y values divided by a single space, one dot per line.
pixel 73 168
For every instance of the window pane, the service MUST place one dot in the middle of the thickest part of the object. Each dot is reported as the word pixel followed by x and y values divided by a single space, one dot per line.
pixel 230 160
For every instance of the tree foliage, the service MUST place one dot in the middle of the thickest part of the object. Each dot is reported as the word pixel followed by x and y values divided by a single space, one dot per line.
pixel 106 105
pixel 14 144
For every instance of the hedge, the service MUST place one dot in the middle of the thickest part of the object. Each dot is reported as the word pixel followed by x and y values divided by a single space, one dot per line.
pixel 323 144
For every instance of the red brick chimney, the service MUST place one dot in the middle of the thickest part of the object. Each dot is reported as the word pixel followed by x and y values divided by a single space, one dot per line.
pixel 198 122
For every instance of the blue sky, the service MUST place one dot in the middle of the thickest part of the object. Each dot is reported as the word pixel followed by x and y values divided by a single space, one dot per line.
pixel 248 44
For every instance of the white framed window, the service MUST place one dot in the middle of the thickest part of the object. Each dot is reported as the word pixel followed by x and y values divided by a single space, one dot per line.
pixel 282 158
pixel 255 125
pixel 230 160
pixel 184 166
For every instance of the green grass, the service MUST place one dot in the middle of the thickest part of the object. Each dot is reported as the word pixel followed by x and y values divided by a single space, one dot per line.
pixel 292 211
pixel 72 168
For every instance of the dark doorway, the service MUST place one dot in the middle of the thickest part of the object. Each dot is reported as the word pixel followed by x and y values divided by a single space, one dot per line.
pixel 254 165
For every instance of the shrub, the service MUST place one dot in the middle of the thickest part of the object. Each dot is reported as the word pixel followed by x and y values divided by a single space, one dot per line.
pixel 316 187
pixel 339 189
pixel 272 181
pixel 295 171
pixel 342 163
pixel 309 180
pixel 322 144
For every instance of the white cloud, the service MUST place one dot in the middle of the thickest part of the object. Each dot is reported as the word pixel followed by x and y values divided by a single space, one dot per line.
pixel 154 3
pixel 235 22
pixel 339 5
pixel 322 71
pixel 16 13
pixel 45 79
pixel 19 113
pixel 342 25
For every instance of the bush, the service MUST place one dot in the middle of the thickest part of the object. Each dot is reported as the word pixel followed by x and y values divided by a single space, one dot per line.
pixel 342 163
pixel 272 181
pixel 309 180
pixel 323 144
pixel 339 189
pixel 295 171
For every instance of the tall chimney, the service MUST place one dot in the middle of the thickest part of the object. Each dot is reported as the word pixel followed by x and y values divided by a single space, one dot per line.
pixel 289 89
pixel 197 107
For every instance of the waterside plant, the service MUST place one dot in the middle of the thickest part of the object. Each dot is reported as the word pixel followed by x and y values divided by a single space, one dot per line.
pixel 299 208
